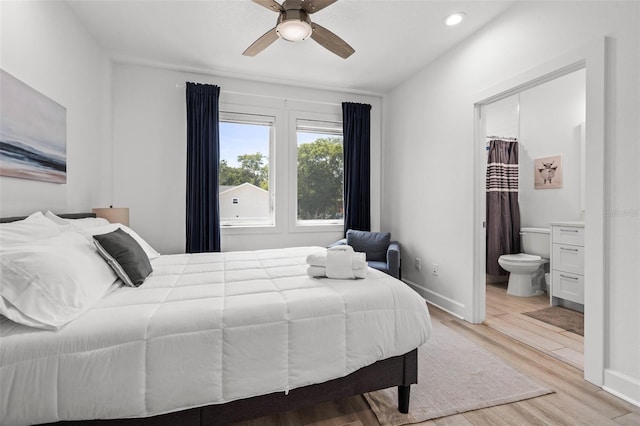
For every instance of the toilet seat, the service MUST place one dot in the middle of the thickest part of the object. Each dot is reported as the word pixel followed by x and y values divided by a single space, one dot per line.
pixel 522 258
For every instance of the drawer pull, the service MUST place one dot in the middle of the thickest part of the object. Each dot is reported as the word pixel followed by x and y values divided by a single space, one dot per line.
pixel 568 249
pixel 569 277
pixel 568 230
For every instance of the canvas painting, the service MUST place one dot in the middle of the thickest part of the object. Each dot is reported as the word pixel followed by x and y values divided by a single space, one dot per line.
pixel 548 172
pixel 33 133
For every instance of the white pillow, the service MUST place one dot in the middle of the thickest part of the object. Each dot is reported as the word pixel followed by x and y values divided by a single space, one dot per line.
pixel 90 232
pixel 50 282
pixel 83 223
pixel 34 227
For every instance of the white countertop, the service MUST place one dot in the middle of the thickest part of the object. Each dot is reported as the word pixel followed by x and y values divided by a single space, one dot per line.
pixel 574 223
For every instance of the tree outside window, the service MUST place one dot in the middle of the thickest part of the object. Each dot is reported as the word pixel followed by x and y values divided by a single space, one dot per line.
pixel 245 144
pixel 320 173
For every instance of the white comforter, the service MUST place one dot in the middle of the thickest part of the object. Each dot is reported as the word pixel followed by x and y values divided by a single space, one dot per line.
pixel 206 329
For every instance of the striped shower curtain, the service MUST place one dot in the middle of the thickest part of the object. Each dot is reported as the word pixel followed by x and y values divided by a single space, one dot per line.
pixel 503 211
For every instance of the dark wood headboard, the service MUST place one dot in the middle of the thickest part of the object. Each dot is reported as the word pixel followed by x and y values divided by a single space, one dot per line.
pixel 63 215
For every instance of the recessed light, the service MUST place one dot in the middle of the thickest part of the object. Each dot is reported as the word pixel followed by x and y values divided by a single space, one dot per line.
pixel 454 18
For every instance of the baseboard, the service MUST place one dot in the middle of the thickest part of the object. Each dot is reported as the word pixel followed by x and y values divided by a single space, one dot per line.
pixel 448 305
pixel 622 386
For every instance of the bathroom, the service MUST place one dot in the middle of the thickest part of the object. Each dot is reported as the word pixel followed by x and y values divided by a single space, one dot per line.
pixel 547 121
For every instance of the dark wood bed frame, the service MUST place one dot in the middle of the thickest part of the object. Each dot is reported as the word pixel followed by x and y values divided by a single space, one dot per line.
pixel 400 371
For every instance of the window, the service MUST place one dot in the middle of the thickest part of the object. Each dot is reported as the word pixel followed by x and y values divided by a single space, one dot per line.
pixel 320 173
pixel 246 144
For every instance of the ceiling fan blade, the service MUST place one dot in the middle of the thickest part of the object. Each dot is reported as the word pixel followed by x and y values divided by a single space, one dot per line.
pixel 262 43
pixel 270 4
pixel 330 41
pixel 313 6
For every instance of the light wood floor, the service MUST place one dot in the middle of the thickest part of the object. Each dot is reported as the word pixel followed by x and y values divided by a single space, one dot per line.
pixel 504 313
pixel 574 402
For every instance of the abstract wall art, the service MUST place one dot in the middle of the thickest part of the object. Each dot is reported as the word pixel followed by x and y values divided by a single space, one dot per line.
pixel 33 133
pixel 548 172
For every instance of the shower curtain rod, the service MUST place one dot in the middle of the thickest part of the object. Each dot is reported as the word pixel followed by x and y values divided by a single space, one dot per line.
pixel 502 138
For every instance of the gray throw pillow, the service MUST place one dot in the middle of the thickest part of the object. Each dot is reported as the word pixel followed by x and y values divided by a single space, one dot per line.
pixel 374 244
pixel 125 256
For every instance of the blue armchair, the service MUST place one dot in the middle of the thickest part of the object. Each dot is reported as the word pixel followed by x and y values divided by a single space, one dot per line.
pixel 382 253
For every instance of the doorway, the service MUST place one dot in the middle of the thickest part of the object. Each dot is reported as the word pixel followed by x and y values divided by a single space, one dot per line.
pixel 542 121
pixel 591 58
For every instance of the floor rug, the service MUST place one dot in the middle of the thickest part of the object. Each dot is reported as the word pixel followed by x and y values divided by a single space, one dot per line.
pixel 455 375
pixel 563 318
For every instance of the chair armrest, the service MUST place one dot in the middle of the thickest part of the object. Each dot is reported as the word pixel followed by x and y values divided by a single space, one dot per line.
pixel 393 259
pixel 342 242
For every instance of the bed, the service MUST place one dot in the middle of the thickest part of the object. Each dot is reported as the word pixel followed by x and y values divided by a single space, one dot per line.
pixel 212 339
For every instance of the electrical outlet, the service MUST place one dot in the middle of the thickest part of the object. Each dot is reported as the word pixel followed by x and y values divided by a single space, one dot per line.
pixel 418 263
pixel 434 269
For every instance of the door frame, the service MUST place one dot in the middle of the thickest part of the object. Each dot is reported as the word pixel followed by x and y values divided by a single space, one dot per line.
pixel 592 58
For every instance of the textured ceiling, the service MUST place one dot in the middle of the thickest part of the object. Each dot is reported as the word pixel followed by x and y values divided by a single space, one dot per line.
pixel 393 39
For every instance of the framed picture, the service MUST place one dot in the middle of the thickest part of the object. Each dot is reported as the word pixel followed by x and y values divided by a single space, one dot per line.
pixel 33 133
pixel 547 172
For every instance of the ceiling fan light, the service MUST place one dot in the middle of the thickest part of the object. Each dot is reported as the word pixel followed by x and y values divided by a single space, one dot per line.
pixel 294 29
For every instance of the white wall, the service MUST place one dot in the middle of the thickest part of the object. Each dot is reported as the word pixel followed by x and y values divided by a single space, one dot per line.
pixel 546 120
pixel 44 46
pixel 502 119
pixel 149 142
pixel 429 160
pixel 550 118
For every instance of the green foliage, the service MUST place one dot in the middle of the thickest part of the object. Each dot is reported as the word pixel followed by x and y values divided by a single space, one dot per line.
pixel 320 179
pixel 252 169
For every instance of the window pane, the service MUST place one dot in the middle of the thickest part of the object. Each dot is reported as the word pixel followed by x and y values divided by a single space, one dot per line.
pixel 244 172
pixel 320 173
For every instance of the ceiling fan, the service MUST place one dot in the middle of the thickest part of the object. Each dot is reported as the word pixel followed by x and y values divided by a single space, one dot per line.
pixel 294 24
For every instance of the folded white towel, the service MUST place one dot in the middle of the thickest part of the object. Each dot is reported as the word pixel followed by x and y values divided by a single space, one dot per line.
pixel 339 262
pixel 316 271
pixel 321 272
pixel 341 249
pixel 317 259
pixel 359 261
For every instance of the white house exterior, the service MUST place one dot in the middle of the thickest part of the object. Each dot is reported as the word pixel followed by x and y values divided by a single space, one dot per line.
pixel 244 204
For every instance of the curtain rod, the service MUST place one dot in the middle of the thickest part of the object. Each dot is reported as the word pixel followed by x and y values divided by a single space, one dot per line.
pixel 231 92
pixel 502 138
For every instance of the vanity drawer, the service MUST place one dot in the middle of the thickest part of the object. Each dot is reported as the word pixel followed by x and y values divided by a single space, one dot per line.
pixel 568 258
pixel 568 286
pixel 568 235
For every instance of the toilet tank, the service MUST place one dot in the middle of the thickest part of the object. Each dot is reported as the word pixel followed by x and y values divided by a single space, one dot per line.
pixel 535 241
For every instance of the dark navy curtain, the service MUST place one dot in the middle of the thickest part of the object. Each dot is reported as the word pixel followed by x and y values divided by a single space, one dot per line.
pixel 356 129
pixel 203 152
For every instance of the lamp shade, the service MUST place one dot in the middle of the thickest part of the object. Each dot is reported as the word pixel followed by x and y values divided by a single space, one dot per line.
pixel 113 214
pixel 294 30
pixel 294 25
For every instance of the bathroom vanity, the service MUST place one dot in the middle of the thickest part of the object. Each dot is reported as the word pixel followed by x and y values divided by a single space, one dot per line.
pixel 567 265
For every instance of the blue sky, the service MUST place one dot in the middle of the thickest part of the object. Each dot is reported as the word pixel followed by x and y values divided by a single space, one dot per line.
pixel 237 139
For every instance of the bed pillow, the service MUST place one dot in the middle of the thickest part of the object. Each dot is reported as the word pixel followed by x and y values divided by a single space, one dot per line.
pixel 34 227
pixel 125 256
pixel 374 244
pixel 82 223
pixel 89 233
pixel 50 282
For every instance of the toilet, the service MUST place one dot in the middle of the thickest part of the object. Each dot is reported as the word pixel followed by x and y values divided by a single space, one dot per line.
pixel 527 275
